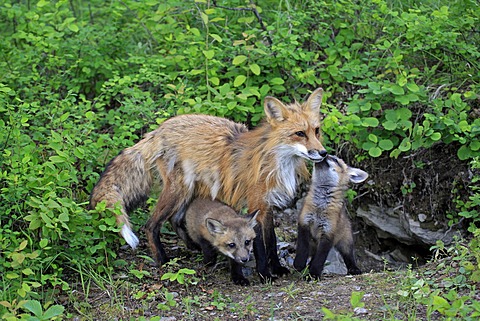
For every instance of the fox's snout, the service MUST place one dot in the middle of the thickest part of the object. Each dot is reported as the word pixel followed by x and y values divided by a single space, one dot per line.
pixel 243 258
pixel 317 155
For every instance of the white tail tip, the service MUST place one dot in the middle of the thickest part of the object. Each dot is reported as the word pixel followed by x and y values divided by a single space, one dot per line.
pixel 129 236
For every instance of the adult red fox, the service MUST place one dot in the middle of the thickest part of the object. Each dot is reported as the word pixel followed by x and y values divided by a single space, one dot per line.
pixel 212 157
pixel 215 227
pixel 323 222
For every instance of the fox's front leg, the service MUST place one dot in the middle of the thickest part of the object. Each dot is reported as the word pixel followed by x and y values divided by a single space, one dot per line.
pixel 271 245
pixel 237 274
pixel 317 263
pixel 303 247
pixel 209 253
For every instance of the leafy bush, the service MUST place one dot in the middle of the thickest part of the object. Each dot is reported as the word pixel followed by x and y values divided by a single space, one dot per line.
pixel 81 81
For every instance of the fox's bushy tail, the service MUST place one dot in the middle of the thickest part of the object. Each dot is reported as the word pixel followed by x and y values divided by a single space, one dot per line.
pixel 126 181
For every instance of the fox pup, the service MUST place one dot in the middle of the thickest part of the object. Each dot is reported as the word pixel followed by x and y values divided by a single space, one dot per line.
pixel 215 227
pixel 323 222
pixel 213 157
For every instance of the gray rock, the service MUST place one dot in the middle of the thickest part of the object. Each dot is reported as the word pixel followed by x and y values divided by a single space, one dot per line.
pixel 395 223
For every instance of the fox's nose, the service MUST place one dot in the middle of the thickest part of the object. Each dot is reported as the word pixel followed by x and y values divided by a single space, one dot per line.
pixel 244 259
pixel 323 153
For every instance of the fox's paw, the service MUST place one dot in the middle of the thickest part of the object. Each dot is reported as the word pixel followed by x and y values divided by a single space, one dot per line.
pixel 354 271
pixel 312 277
pixel 267 278
pixel 280 271
pixel 240 281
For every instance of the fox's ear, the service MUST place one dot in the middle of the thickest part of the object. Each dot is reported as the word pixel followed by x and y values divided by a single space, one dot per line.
pixel 357 175
pixel 274 109
pixel 214 226
pixel 253 218
pixel 314 101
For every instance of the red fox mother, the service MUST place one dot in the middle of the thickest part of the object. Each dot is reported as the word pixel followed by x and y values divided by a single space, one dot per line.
pixel 213 157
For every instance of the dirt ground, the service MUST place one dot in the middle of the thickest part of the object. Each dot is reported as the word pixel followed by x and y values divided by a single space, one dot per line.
pixel 209 294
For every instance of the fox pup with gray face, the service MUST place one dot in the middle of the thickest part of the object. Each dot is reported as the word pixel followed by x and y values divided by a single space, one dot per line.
pixel 323 222
pixel 216 227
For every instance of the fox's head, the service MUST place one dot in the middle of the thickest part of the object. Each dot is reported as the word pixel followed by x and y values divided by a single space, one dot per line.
pixel 330 180
pixel 234 237
pixel 297 126
pixel 334 173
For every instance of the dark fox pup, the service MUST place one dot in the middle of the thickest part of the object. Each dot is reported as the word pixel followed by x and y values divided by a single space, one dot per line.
pixel 215 227
pixel 323 222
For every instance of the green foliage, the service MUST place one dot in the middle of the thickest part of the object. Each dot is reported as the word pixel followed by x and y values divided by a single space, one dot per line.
pixel 182 276
pixel 355 301
pixel 471 208
pixel 80 81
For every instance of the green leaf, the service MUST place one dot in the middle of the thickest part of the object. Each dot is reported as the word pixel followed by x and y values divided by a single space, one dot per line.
pixel 356 299
pixel 239 59
pixel 204 17
pixel 12 275
pixel 385 144
pixel 391 115
pixel 73 27
pixel 239 80
pixel 435 136
pixel 464 153
pixel 475 145
pixel 405 145
pixel 255 69
pixel 209 53
pixel 42 3
pixel 413 87
pixel 33 306
pixel 43 243
pixel 389 125
pixel 396 90
pixel 373 138
pixel 368 145
pixel 277 81
pixel 216 37
pixel 404 100
pixel 369 122
pixel 440 304
pixel 375 151
pixel 404 113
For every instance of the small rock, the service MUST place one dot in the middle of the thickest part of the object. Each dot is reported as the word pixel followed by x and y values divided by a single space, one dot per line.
pixel 359 311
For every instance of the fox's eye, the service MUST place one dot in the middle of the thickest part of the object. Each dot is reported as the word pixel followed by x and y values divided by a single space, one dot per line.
pixel 247 242
pixel 231 245
pixel 317 131
pixel 300 134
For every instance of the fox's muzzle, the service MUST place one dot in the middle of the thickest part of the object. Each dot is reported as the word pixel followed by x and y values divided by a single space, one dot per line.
pixel 316 155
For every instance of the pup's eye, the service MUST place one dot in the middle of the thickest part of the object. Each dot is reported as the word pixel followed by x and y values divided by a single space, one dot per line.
pixel 247 242
pixel 317 131
pixel 231 245
pixel 300 134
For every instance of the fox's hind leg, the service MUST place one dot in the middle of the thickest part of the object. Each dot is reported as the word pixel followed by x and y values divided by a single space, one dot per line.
pixel 167 205
pixel 345 247
pixel 171 201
